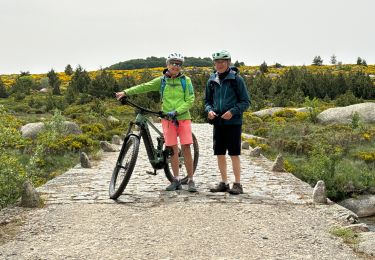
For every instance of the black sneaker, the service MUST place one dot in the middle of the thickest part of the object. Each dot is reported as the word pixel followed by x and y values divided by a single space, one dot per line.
pixel 175 185
pixel 236 189
pixel 191 186
pixel 221 187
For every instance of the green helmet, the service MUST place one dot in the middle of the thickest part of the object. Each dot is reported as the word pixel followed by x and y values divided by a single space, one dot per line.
pixel 221 55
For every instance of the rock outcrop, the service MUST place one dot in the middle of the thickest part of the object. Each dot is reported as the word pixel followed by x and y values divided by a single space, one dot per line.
pixel 363 205
pixel 32 130
pixel 344 115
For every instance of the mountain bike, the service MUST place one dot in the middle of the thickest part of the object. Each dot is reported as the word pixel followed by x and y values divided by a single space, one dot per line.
pixel 159 157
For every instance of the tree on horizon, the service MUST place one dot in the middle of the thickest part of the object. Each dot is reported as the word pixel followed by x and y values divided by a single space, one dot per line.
pixel 54 82
pixel 317 61
pixel 68 70
pixel 333 59
pixel 263 67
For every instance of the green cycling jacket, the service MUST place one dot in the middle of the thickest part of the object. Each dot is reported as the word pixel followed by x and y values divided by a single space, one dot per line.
pixel 174 98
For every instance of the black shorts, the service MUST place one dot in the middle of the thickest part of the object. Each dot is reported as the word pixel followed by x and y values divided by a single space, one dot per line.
pixel 227 137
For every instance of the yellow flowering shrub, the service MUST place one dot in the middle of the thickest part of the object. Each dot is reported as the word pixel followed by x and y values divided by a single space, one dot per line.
pixel 302 116
pixel 252 142
pixel 368 157
pixel 279 120
pixel 288 166
pixel 251 118
pixel 368 135
pixel 288 113
pixel 265 147
pixel 77 143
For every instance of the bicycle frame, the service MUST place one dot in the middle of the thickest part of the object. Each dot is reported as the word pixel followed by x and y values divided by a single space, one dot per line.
pixel 157 157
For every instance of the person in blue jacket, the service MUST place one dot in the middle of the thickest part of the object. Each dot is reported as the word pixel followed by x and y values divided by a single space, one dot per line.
pixel 226 98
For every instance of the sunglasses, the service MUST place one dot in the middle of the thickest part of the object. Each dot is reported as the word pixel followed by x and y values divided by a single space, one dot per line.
pixel 176 64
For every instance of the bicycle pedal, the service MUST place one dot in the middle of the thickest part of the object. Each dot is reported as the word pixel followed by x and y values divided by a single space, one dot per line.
pixel 151 172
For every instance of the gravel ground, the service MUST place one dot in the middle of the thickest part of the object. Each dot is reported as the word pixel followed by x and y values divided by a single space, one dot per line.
pixel 174 231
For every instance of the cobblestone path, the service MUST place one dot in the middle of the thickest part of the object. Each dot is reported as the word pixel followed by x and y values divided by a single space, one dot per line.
pixel 260 184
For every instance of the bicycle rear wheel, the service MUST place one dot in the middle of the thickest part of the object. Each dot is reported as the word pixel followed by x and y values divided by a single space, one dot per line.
pixel 124 167
pixel 195 154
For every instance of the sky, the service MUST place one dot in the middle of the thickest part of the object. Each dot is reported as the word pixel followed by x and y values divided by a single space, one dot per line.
pixel 38 35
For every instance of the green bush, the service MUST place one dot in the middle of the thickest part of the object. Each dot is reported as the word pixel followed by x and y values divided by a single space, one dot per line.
pixel 261 131
pixel 116 131
pixel 347 99
pixel 12 173
pixel 12 176
pixel 118 110
pixel 20 108
pixel 10 137
pixel 313 108
pixel 77 109
pixel 341 176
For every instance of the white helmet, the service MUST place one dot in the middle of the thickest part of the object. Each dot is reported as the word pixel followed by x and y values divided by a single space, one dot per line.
pixel 221 55
pixel 175 56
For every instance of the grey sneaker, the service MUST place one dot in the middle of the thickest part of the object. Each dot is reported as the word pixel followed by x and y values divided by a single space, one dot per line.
pixel 175 185
pixel 236 189
pixel 184 180
pixel 221 187
pixel 191 186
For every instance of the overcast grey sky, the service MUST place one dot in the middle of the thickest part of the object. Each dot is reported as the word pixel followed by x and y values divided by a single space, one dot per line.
pixel 37 35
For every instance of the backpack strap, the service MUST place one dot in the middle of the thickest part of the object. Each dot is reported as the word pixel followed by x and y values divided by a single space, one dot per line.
pixel 162 87
pixel 183 84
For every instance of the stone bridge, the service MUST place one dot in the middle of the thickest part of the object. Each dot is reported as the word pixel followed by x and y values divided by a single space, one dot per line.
pixel 274 219
pixel 260 183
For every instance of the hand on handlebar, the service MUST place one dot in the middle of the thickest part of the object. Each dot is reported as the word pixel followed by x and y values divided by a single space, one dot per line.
pixel 120 95
pixel 172 114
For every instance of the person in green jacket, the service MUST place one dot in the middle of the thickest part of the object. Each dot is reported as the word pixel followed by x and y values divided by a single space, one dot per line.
pixel 226 98
pixel 177 96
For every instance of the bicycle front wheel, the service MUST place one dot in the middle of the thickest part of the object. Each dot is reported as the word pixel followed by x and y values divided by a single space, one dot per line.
pixel 124 167
pixel 195 154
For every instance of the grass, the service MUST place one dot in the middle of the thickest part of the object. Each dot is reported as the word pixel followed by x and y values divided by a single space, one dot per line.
pixel 347 235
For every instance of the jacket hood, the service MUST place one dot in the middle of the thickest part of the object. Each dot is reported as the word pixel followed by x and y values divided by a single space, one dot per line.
pixel 233 71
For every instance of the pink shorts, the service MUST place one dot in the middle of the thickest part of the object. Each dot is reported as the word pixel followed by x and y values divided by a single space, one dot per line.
pixel 183 131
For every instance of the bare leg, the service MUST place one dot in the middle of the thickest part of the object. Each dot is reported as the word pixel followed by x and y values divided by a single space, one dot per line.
pixel 188 160
pixel 236 168
pixel 222 163
pixel 174 161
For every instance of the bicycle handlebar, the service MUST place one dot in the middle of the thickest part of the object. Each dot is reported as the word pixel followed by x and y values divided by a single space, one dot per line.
pixel 124 100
